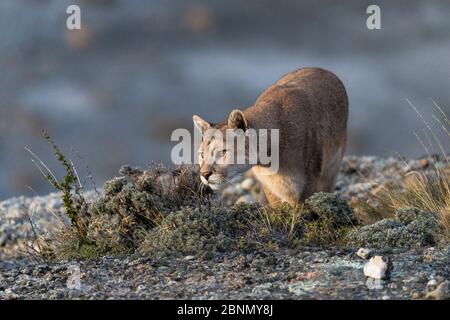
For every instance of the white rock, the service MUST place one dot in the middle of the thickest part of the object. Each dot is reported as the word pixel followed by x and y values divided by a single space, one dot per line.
pixel 375 284
pixel 432 283
pixel 363 253
pixel 442 292
pixel 377 268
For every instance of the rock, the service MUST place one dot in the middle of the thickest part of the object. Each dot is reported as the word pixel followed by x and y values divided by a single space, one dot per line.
pixel 364 253
pixel 378 267
pixel 440 293
pixel 375 284
pixel 432 284
pixel 393 285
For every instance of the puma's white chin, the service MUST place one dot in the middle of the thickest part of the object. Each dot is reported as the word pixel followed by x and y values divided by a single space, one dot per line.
pixel 214 186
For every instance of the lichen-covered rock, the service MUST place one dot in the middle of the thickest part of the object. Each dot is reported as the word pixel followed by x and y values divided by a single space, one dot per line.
pixel 442 292
pixel 364 253
pixel 330 206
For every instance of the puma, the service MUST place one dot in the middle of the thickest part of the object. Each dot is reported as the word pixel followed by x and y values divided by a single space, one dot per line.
pixel 310 108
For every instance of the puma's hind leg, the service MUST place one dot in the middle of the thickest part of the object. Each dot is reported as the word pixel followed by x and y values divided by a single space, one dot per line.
pixel 328 177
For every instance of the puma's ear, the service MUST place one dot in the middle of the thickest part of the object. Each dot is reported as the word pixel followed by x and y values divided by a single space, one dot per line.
pixel 201 124
pixel 237 120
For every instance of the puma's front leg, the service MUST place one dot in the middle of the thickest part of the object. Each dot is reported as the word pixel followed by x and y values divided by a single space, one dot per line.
pixel 262 198
pixel 270 198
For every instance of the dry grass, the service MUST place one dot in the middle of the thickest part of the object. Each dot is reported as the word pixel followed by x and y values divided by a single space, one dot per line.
pixel 428 190
pixel 282 223
pixel 322 220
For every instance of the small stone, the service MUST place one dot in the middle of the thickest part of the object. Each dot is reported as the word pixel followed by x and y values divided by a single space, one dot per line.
pixel 378 267
pixel 393 285
pixel 188 258
pixel 385 297
pixel 432 284
pixel 415 295
pixel 440 293
pixel 140 288
pixel 48 277
pixel 26 271
pixel 375 284
pixel 363 253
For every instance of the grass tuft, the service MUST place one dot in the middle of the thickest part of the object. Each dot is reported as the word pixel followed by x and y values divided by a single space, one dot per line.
pixel 427 191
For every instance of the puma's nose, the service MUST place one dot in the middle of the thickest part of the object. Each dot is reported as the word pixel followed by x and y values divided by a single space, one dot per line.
pixel 206 174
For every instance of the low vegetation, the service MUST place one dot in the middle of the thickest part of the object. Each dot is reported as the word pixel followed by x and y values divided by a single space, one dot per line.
pixel 70 185
pixel 129 218
pixel 164 212
pixel 413 212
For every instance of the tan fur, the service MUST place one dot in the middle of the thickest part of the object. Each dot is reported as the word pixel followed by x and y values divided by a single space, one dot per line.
pixel 310 108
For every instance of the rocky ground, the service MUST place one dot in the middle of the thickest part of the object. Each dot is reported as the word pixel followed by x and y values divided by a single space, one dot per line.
pixel 304 274
pixel 301 273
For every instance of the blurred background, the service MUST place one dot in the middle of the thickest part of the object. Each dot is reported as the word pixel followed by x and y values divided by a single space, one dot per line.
pixel 138 69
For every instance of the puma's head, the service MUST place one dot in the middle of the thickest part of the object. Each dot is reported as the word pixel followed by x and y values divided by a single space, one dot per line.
pixel 221 159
